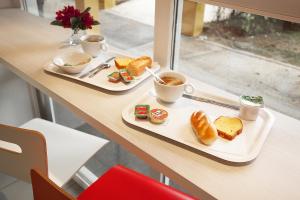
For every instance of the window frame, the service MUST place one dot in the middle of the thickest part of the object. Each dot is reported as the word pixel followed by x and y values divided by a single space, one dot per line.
pixel 284 10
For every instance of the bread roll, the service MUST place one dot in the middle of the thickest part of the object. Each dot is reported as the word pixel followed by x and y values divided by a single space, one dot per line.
pixel 205 131
pixel 137 66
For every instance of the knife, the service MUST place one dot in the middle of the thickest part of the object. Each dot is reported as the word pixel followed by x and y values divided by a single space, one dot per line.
pixel 205 100
pixel 96 68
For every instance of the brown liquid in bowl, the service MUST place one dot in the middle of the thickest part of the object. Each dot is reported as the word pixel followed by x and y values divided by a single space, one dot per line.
pixel 171 81
pixel 92 40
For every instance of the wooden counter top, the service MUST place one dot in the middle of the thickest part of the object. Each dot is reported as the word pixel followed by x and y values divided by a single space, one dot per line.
pixel 28 42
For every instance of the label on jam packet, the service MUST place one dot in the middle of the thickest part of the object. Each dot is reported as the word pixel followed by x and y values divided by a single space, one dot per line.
pixel 125 76
pixel 142 111
pixel 158 115
pixel 114 77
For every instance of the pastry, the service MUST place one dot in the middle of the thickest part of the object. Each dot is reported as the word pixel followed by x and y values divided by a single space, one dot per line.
pixel 205 131
pixel 228 127
pixel 114 77
pixel 141 111
pixel 122 62
pixel 125 76
pixel 158 116
pixel 138 66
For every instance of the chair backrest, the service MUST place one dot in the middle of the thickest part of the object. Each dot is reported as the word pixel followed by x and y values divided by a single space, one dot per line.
pixel 45 189
pixel 22 150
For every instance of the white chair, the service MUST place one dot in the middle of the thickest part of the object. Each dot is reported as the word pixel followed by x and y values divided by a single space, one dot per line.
pixel 56 151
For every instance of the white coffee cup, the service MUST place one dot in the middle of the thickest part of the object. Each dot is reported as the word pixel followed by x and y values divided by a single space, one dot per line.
pixel 93 44
pixel 171 93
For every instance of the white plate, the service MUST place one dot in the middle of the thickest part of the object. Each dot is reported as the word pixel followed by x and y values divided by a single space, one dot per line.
pixel 177 129
pixel 101 80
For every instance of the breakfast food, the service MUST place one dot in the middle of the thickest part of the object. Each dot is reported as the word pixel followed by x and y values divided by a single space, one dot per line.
pixel 141 111
pixel 114 77
pixel 138 66
pixel 77 63
pixel 250 106
pixel 129 67
pixel 171 81
pixel 125 76
pixel 205 131
pixel 158 116
pixel 228 127
pixel 122 62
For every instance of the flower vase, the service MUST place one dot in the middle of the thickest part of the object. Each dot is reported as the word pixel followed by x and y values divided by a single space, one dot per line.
pixel 75 37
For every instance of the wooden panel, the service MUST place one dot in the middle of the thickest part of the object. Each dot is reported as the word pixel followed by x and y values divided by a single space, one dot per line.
pixel 94 4
pixel 44 189
pixel 16 163
pixel 192 18
pixel 106 4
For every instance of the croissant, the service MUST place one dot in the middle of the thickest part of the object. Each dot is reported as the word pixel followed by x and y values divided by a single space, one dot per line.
pixel 205 131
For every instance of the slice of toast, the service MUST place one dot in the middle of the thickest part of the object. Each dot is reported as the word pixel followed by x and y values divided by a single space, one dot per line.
pixel 228 127
pixel 122 63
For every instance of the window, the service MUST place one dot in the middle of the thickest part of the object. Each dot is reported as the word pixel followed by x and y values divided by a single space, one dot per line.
pixel 241 53
pixel 129 26
pixel 126 24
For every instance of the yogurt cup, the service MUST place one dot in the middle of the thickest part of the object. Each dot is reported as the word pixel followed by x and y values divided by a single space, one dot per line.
pixel 250 106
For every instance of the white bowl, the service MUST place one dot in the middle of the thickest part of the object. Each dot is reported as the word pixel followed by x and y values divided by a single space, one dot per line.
pixel 72 62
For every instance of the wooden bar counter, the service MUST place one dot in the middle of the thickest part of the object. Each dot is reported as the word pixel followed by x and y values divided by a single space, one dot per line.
pixel 28 42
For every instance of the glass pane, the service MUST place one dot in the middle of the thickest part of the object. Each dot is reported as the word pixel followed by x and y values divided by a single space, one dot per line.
pixel 130 26
pixel 46 8
pixel 242 53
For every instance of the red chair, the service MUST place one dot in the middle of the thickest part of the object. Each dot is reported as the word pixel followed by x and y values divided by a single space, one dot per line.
pixel 117 183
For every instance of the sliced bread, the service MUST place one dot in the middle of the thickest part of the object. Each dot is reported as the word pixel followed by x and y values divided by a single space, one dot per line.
pixel 228 127
pixel 122 62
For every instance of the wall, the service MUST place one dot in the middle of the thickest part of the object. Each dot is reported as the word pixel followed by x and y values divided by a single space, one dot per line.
pixel 9 3
pixel 15 99
pixel 16 106
pixel 15 103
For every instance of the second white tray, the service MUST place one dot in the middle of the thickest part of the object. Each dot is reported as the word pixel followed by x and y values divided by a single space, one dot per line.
pixel 177 129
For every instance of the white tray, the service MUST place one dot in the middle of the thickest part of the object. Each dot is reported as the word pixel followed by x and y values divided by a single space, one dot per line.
pixel 177 129
pixel 100 80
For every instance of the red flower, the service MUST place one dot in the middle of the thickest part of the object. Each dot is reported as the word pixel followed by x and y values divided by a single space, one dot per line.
pixel 70 17
pixel 87 20
pixel 65 15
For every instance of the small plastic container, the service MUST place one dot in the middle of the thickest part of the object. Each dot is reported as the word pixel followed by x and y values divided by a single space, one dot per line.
pixel 250 106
